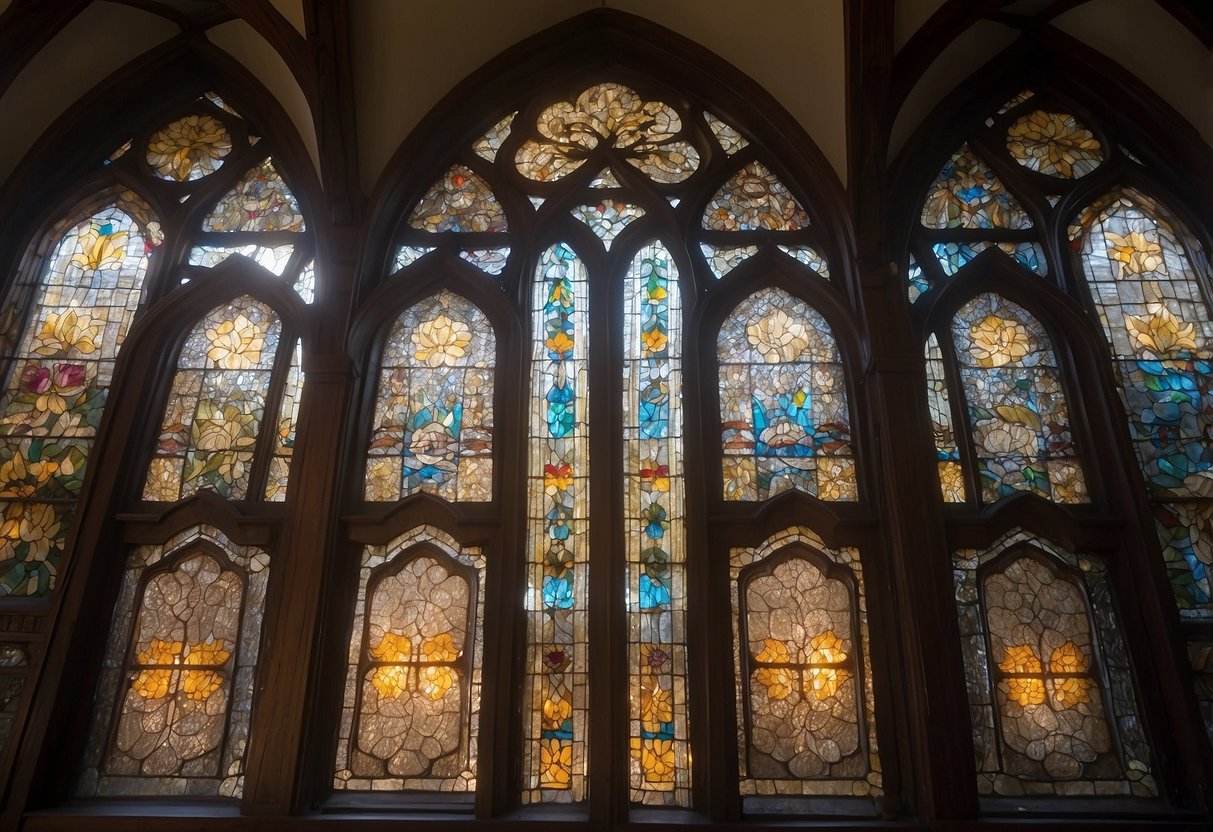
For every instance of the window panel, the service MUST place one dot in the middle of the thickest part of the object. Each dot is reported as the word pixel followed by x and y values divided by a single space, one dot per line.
pixel 783 402
pixel 804 681
pixel 171 716
pixel 433 429
pixel 412 697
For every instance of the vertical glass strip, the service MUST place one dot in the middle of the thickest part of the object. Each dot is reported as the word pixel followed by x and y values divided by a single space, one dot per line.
pixel 951 475
pixel 659 771
pixel 558 521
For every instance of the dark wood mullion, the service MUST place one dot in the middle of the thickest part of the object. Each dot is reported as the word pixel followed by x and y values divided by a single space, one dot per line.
pixel 267 431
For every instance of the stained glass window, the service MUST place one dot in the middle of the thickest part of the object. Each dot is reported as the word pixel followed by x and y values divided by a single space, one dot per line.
pixel 433 428
pixel 654 524
pixel 411 711
pixel 1053 143
pixel 288 421
pixel 1147 296
pixel 556 696
pixel 189 148
pixel 608 218
pixel 260 201
pixel 783 402
pixel 752 199
pixel 805 721
pixel 171 716
pixel 1050 687
pixel 59 363
pixel 209 436
pixel 951 474
pixel 1015 402
pixel 460 201
pixel 967 194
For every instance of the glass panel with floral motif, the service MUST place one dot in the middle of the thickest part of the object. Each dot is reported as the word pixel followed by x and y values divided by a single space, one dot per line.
pixel 1156 319
pixel 654 529
pixel 59 370
pixel 753 199
pixel 556 696
pixel 783 402
pixel 1050 688
pixel 433 429
pixel 260 201
pixel 1015 402
pixel 208 438
pixel 412 700
pixel 804 684
pixel 172 709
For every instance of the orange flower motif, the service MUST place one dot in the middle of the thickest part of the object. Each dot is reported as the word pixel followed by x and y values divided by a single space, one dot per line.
pixel 555 764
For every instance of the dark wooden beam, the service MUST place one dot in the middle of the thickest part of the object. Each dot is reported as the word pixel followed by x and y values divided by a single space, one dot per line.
pixel 279 33
pixel 333 109
pixel 27 26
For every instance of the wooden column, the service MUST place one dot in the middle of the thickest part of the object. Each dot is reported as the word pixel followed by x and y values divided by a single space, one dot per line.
pixel 928 712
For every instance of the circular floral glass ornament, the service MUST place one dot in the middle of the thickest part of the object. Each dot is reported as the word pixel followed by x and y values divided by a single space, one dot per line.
pixel 1054 144
pixel 189 148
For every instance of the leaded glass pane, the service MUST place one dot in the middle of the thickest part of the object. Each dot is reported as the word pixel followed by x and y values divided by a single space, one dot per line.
pixel 608 218
pixel 1055 144
pixel 556 697
pixel 804 683
pixel 288 420
pixel 189 148
pixel 967 194
pixel 59 365
pixel 260 201
pixel 177 678
pixel 460 201
pixel 412 696
pixel 783 402
pixel 654 530
pixel 1050 689
pixel 433 428
pixel 208 438
pixel 951 475
pixel 1015 402
pixel 753 198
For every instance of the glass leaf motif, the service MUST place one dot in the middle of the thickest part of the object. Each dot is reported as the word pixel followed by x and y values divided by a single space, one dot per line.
pixel 753 198
pixel 189 148
pixel 260 201
pixel 723 259
pixel 1016 406
pixel 460 201
pixel 271 258
pixel 605 179
pixel 212 422
pixel 808 256
pixel 659 765
pixel 947 453
pixel 59 370
pixel 486 146
pixel 433 428
pixel 608 218
pixel 783 402
pixel 967 194
pixel 555 717
pixel 488 260
pixel 730 139
pixel 644 133
pixel 954 256
pixel 1054 144
pixel 408 255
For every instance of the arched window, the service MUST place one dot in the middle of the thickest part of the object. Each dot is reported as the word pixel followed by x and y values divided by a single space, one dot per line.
pixel 617 230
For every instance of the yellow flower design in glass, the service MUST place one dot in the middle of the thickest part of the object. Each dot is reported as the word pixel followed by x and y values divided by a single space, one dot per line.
pixel 556 762
pixel 441 341
pixel 778 337
pixel 236 344
pixel 100 248
pixel 1067 676
pixel 999 341
pixel 70 331
pixel 410 666
pixel 189 148
pixel 1135 253
pixel 1054 144
pixel 170 667
pixel 822 667
pixel 1162 334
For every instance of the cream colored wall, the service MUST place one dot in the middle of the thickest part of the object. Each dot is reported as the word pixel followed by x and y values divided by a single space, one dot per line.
pixel 240 41
pixel 1156 48
pixel 99 41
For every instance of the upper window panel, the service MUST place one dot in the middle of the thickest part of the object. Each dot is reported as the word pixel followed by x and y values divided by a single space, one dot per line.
pixel 260 201
pixel 967 194
pixel 459 201
pixel 783 402
pixel 1055 144
pixel 209 435
pixel 189 148
pixel 1015 403
pixel 59 365
pixel 754 199
pixel 648 135
pixel 433 429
